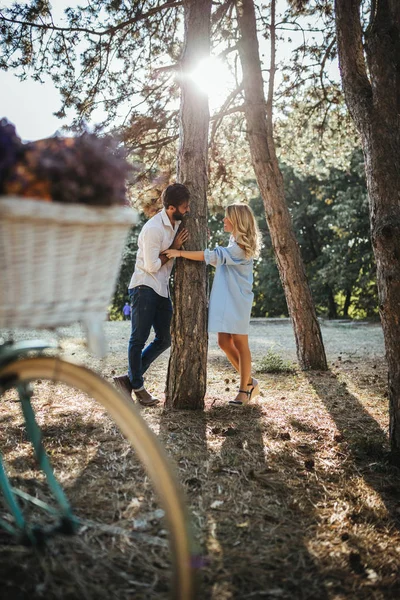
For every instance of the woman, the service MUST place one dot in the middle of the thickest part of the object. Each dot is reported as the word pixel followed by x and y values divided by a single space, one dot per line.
pixel 231 295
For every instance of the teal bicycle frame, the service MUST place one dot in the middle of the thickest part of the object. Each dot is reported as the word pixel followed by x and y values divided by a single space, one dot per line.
pixel 67 523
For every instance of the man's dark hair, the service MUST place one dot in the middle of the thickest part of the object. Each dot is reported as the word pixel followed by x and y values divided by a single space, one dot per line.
pixel 175 195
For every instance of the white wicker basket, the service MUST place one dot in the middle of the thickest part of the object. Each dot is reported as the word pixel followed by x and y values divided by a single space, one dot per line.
pixel 58 262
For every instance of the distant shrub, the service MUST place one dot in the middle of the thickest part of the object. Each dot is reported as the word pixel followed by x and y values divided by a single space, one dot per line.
pixel 274 363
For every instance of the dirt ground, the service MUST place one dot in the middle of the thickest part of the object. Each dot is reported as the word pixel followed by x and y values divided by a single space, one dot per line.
pixel 292 497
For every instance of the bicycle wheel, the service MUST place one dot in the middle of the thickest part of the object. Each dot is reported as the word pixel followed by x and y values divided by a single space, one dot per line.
pixel 132 523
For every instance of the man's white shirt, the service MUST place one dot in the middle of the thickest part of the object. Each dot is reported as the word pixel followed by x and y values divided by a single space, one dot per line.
pixel 156 236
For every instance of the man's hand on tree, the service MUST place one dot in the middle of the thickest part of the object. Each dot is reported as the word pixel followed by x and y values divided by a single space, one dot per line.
pixel 180 238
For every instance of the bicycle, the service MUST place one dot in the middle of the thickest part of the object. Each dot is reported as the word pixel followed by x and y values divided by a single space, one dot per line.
pixel 90 502
pixel 24 374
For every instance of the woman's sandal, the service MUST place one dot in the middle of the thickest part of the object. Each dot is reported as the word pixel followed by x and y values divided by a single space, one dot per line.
pixel 255 389
pixel 240 402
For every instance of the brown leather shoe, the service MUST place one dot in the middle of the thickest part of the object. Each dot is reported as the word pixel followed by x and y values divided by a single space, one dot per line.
pixel 144 398
pixel 123 384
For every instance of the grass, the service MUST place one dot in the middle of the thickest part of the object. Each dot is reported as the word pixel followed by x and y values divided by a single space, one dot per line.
pixel 273 362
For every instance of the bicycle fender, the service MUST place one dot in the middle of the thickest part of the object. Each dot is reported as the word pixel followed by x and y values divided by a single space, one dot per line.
pixel 12 350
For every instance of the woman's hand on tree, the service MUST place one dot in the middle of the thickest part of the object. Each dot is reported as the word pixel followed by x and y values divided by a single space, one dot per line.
pixel 171 253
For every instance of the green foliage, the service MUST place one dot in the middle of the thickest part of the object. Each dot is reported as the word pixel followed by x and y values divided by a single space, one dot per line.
pixel 273 362
pixel 269 299
pixel 314 144
pixel 331 222
pixel 126 271
pixel 334 235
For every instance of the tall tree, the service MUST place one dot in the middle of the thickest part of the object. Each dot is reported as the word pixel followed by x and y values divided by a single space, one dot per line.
pixel 309 345
pixel 370 71
pixel 186 381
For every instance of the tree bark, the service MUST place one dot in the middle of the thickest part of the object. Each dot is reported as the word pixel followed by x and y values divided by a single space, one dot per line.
pixel 187 369
pixel 332 310
pixel 347 303
pixel 373 99
pixel 309 345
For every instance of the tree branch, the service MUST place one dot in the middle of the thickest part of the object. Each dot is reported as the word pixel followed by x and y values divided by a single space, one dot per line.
pixel 152 144
pixel 108 31
pixel 229 111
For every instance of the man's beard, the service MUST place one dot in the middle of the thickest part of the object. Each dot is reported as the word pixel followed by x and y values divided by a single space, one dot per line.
pixel 177 215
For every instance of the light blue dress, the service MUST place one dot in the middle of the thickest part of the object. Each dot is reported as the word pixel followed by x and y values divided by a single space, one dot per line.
pixel 231 296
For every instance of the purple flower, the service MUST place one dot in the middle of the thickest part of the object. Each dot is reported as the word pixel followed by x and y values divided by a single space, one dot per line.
pixel 10 146
pixel 86 169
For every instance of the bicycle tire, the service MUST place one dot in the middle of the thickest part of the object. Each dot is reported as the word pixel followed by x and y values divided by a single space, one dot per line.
pixel 142 439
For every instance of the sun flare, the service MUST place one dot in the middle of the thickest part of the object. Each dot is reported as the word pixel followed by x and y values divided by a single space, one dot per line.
pixel 212 77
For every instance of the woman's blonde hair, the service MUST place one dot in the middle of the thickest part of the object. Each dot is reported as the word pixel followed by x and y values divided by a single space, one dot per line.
pixel 245 228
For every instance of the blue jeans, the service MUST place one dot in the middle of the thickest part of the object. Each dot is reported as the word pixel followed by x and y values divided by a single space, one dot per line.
pixel 149 309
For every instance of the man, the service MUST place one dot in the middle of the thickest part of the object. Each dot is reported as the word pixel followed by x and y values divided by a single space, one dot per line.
pixel 149 290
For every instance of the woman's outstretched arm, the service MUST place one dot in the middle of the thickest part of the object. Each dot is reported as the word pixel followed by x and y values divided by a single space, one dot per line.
pixel 190 254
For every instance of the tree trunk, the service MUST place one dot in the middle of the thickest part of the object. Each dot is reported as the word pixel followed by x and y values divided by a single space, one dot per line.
pixel 373 99
pixel 332 311
pixel 309 345
pixel 187 369
pixel 347 303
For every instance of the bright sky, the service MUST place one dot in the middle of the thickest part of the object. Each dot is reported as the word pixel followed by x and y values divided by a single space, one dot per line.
pixel 29 105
